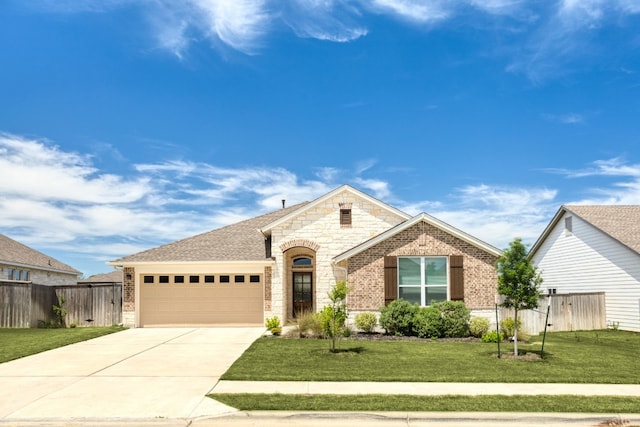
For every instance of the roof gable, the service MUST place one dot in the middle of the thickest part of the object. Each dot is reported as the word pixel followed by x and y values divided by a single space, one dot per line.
pixel 411 222
pixel 620 222
pixel 111 277
pixel 241 241
pixel 344 188
pixel 13 252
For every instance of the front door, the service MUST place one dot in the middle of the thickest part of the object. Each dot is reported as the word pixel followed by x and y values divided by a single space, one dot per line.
pixel 302 293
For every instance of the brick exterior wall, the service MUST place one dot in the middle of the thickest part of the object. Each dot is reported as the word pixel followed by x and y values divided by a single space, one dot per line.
pixel 128 289
pixel 129 297
pixel 267 289
pixel 366 270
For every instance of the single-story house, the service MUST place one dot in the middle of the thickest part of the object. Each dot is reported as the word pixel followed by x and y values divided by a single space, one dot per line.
pixel 22 264
pixel 113 277
pixel 588 249
pixel 285 262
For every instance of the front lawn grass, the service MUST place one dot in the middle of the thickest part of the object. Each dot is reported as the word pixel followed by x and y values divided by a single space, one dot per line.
pixel 446 403
pixel 603 357
pixel 16 343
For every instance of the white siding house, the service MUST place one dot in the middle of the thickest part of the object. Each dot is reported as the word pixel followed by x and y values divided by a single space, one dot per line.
pixel 594 249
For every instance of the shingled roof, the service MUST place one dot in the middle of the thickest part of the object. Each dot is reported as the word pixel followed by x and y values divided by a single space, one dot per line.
pixel 111 277
pixel 15 253
pixel 241 241
pixel 620 222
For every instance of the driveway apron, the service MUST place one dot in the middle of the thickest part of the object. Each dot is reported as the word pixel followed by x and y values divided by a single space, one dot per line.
pixel 133 374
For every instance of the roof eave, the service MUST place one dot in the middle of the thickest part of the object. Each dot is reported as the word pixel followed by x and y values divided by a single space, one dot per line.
pixel 547 231
pixel 407 224
pixel 39 267
pixel 174 262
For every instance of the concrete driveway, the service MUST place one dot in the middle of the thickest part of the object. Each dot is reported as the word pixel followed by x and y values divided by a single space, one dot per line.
pixel 134 374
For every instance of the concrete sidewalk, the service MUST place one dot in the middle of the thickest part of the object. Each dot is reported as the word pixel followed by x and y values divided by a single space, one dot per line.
pixel 425 389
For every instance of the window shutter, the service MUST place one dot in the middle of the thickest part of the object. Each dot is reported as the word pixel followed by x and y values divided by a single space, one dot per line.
pixel 456 275
pixel 390 279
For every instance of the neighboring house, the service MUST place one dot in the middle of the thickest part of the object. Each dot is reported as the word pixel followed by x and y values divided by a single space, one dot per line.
pixel 114 276
pixel 285 262
pixel 20 264
pixel 594 249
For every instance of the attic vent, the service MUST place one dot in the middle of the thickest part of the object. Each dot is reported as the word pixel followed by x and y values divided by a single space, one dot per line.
pixel 345 214
pixel 345 217
pixel 568 225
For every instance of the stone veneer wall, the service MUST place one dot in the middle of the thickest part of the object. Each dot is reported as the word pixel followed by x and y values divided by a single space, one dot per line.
pixel 320 228
pixel 366 270
pixel 128 296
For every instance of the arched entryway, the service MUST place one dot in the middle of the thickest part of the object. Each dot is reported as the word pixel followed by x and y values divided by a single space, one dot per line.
pixel 301 286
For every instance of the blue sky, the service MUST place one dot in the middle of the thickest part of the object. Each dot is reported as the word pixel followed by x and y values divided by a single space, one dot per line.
pixel 126 124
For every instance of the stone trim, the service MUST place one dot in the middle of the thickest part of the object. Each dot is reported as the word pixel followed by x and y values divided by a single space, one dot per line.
pixel 309 244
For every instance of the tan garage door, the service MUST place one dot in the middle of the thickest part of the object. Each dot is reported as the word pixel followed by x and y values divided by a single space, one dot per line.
pixel 165 304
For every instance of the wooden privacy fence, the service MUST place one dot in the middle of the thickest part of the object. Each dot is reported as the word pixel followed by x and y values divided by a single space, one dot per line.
pixel 27 305
pixel 568 312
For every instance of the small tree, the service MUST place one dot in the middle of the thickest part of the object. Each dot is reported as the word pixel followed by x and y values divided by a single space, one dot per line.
pixel 518 282
pixel 334 315
pixel 60 312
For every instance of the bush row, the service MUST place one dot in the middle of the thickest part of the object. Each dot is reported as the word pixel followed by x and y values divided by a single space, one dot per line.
pixel 449 319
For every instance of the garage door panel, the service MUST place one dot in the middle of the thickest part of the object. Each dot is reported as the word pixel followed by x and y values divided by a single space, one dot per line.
pixel 181 304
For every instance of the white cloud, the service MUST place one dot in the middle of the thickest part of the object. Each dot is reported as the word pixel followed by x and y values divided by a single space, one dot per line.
pixel 238 23
pixel 568 119
pixel 93 215
pixel 365 165
pixel 57 175
pixel 497 214
pixel 609 167
pixel 498 7
pixel 329 20
pixel 623 190
pixel 379 188
pixel 551 36
pixel 566 35
pixel 413 10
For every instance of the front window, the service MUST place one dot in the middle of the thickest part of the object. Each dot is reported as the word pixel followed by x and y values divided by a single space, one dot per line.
pixel 422 280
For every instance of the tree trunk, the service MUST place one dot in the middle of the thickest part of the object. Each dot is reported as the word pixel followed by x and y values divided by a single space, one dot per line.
pixel 515 332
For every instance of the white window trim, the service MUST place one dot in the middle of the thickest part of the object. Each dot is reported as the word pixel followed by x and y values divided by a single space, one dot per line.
pixel 422 285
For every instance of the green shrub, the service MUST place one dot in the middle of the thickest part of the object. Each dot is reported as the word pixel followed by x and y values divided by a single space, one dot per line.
pixel 507 328
pixel 492 336
pixel 478 326
pixel 397 317
pixel 428 322
pixel 347 331
pixel 366 322
pixel 455 318
pixel 309 325
pixel 272 323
